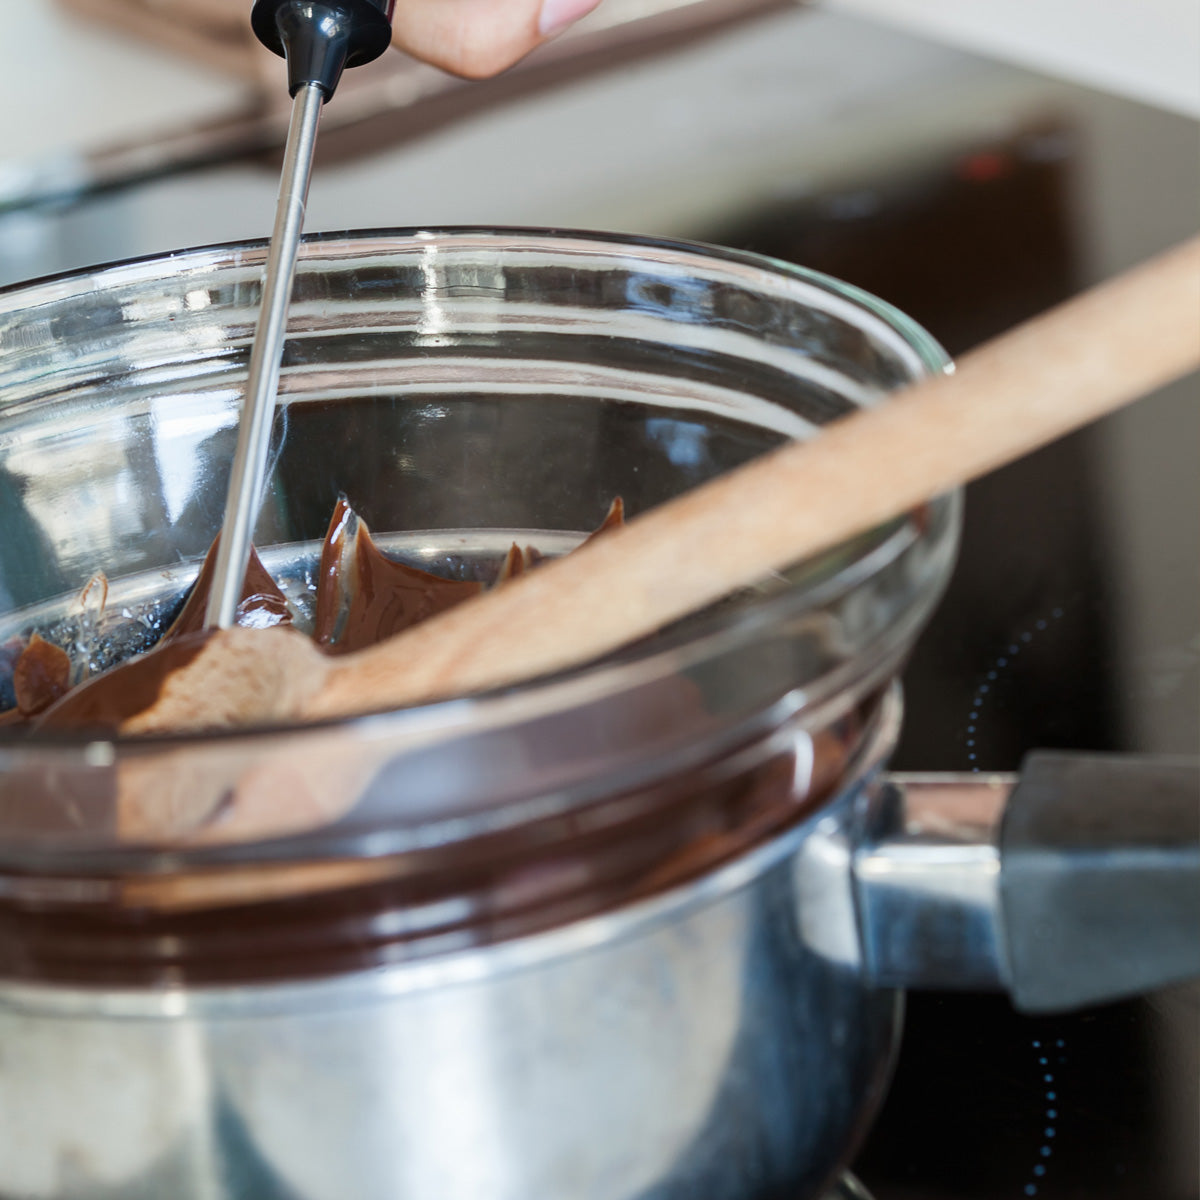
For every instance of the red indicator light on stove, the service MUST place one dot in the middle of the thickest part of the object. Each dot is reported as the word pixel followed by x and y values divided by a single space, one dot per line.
pixel 985 166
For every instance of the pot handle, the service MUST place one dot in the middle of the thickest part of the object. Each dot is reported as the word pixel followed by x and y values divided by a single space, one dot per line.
pixel 1100 878
pixel 1075 883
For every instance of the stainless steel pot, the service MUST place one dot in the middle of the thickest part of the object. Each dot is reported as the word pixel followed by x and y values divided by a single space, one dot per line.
pixel 730 1038
pixel 634 932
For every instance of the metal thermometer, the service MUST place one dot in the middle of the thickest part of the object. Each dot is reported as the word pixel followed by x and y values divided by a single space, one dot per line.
pixel 319 38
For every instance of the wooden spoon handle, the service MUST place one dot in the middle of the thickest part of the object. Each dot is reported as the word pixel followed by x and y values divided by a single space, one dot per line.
pixel 1023 390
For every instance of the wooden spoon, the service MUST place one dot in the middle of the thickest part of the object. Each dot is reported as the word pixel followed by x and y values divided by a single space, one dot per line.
pixel 1021 391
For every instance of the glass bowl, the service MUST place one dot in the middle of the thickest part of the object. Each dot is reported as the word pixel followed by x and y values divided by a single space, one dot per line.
pixel 464 389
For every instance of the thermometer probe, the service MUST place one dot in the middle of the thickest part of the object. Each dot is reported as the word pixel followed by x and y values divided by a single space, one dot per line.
pixel 319 38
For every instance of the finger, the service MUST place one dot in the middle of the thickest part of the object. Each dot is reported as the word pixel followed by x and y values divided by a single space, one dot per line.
pixel 480 38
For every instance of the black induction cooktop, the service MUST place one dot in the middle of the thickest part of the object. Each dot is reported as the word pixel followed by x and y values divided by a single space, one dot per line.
pixel 1061 629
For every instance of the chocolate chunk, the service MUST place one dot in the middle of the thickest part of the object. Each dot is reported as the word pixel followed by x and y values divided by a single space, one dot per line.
pixel 41 676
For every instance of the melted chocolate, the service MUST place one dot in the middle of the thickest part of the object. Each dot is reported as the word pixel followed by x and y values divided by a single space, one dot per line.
pixel 262 604
pixel 42 673
pixel 362 598
pixel 516 562
pixel 115 696
pixel 613 519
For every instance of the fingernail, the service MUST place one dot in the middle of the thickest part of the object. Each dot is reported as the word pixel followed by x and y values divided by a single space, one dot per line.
pixel 558 14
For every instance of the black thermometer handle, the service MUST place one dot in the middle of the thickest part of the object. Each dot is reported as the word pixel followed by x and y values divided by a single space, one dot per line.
pixel 321 37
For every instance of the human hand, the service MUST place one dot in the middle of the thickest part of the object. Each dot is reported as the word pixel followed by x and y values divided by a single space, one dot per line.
pixel 480 38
